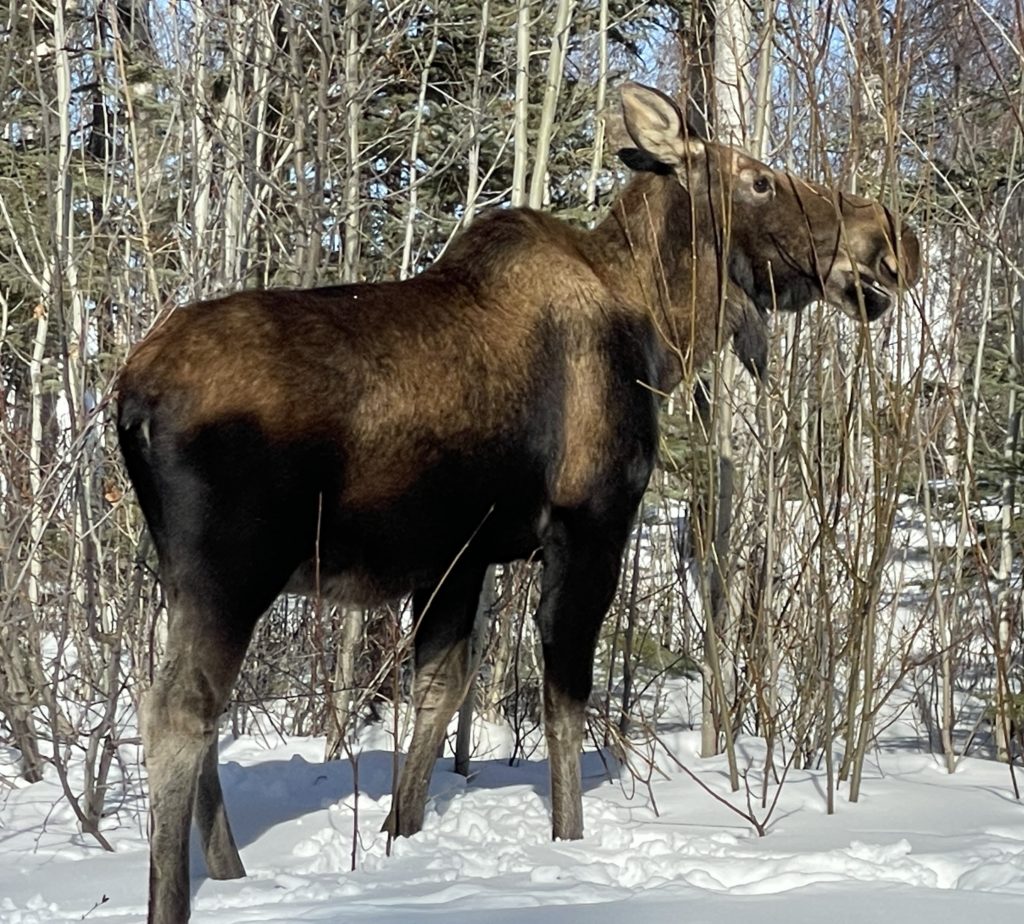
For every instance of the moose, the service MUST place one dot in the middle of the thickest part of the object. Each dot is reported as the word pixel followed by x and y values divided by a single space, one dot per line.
pixel 371 441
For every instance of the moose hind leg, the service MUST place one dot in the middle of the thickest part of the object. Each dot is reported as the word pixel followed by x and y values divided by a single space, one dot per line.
pixel 179 729
pixel 439 687
pixel 581 570
pixel 222 859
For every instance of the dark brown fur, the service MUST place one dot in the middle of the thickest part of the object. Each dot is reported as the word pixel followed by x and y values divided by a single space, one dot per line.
pixel 400 437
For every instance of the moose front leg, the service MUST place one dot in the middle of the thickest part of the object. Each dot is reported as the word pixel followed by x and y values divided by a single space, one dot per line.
pixel 581 570
pixel 563 729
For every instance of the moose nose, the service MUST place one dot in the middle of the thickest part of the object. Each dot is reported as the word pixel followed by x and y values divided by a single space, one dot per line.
pixel 888 268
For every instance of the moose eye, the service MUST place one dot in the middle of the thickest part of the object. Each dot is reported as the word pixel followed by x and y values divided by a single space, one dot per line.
pixel 762 185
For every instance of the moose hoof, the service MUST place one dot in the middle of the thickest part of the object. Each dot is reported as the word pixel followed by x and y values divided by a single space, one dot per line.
pixel 226 867
pixel 401 826
pixel 563 836
pixel 572 831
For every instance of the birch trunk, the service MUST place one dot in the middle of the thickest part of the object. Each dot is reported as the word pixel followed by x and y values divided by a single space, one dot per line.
pixel 344 690
pixel 199 261
pixel 520 140
pixel 474 654
pixel 407 267
pixel 545 130
pixel 600 101
pixel 475 115
pixel 726 591
pixel 351 245
pixel 948 614
pixel 231 130
pixel 1005 605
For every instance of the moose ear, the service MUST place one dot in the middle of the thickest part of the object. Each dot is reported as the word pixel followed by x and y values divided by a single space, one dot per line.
pixel 620 142
pixel 656 125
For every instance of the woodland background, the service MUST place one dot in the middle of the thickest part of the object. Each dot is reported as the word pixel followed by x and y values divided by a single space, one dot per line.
pixel 155 153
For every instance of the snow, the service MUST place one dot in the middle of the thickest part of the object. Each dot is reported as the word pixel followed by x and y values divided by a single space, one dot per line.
pixel 920 845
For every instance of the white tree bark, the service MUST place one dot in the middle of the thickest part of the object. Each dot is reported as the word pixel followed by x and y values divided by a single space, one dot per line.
pixel 556 63
pixel 520 140
pixel 732 37
pixel 350 266
pixel 600 101
pixel 407 268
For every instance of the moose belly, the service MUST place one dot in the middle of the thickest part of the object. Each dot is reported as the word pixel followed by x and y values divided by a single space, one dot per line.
pixel 462 511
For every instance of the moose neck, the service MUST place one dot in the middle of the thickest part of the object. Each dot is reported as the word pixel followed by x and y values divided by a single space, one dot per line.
pixel 651 245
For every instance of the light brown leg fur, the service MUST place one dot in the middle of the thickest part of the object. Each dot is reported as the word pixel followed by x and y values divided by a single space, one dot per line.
pixel 222 860
pixel 563 729
pixel 180 733
pixel 438 690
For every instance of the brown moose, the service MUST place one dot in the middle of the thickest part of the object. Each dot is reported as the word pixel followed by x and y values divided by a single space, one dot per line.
pixel 397 438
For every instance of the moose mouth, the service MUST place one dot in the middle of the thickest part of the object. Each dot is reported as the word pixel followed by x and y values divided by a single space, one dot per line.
pixel 859 295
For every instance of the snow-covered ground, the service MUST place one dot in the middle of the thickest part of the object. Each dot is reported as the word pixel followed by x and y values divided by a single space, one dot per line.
pixel 920 845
